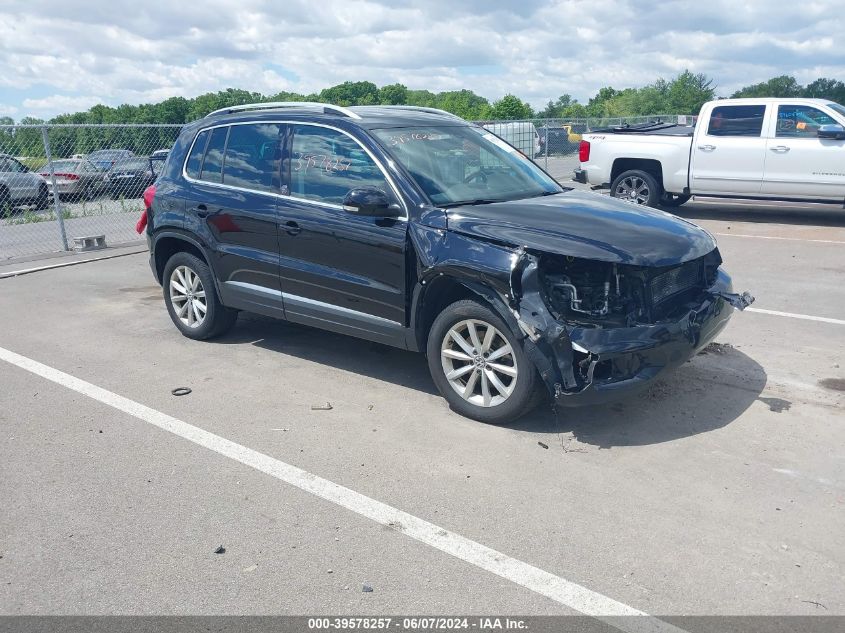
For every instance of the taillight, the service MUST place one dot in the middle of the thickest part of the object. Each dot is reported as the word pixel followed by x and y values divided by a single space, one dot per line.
pixel 63 176
pixel 584 151
pixel 149 195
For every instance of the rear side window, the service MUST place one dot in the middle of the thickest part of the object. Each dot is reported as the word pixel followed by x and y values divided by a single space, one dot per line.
pixel 253 157
pixel 192 168
pixel 326 164
pixel 737 120
pixel 212 164
pixel 800 121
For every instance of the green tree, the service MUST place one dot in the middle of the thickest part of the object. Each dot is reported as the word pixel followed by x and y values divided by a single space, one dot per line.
pixel 510 107
pixel 687 92
pixel 823 88
pixel 565 107
pixel 782 86
pixel 394 94
pixel 351 93
pixel 465 103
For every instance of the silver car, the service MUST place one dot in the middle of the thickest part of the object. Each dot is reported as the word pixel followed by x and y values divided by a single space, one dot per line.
pixel 76 179
pixel 19 186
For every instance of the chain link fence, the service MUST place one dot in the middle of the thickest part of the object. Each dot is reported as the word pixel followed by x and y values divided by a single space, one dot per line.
pixel 70 187
pixel 553 143
pixel 66 187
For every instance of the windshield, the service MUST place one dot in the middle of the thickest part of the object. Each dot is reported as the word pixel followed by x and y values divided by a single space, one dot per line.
pixel 465 165
pixel 837 108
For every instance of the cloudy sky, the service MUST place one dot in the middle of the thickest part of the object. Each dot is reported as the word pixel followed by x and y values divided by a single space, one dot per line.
pixel 67 55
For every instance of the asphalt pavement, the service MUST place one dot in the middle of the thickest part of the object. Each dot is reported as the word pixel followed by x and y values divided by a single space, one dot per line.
pixel 719 491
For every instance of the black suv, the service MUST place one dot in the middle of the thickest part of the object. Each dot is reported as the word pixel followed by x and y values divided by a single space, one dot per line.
pixel 411 227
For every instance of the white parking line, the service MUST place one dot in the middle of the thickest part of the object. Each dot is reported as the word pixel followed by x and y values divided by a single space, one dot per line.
pixel 772 237
pixel 559 589
pixel 792 315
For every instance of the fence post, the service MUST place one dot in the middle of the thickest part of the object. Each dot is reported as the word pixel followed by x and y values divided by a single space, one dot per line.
pixel 546 144
pixel 57 203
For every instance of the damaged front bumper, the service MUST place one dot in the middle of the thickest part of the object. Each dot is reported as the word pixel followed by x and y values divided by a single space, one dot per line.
pixel 592 365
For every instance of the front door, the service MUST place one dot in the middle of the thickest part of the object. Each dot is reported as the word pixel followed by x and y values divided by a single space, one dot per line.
pixel 338 270
pixel 235 171
pixel 728 157
pixel 799 164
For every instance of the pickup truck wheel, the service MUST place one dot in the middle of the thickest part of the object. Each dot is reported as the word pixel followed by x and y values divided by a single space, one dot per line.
pixel 673 199
pixel 479 366
pixel 636 186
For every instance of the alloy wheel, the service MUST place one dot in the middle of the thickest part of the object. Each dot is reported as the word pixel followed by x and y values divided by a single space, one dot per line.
pixel 633 189
pixel 479 363
pixel 188 296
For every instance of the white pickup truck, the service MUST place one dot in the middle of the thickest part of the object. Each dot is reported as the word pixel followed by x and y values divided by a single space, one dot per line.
pixel 774 149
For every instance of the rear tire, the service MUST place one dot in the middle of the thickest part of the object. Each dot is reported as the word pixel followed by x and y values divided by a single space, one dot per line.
pixel 485 375
pixel 43 199
pixel 191 298
pixel 637 186
pixel 6 208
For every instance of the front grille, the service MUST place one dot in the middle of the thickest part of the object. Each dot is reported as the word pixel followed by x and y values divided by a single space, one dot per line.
pixel 676 280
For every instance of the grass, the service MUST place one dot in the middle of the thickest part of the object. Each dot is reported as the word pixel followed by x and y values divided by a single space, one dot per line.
pixel 84 210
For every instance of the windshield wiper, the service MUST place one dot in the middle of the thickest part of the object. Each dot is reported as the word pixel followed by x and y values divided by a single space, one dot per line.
pixel 468 203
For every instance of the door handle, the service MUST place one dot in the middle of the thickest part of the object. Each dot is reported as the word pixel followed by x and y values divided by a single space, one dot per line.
pixel 780 148
pixel 201 210
pixel 707 148
pixel 292 228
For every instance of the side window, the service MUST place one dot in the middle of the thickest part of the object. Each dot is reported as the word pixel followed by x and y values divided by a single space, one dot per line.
pixel 253 157
pixel 736 120
pixel 192 168
pixel 11 165
pixel 212 164
pixel 325 164
pixel 800 121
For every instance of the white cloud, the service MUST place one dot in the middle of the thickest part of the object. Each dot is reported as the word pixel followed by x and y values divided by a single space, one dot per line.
pixel 56 56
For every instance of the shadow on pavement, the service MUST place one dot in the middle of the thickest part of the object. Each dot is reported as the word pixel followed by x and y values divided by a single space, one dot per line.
pixel 707 393
pixel 389 364
pixel 763 212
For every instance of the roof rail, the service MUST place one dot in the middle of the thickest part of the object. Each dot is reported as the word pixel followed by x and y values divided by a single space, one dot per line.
pixel 424 109
pixel 286 104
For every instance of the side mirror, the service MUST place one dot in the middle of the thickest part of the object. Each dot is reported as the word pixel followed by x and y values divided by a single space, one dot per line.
pixel 834 131
pixel 370 201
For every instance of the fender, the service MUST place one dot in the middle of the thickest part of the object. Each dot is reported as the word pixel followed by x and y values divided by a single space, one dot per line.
pixel 190 238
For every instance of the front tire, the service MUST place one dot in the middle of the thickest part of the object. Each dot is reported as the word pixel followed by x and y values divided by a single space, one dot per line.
pixel 673 199
pixel 479 366
pixel 637 186
pixel 191 298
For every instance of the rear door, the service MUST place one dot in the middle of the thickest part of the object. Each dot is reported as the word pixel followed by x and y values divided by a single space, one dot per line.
pixel 339 271
pixel 798 163
pixel 729 155
pixel 232 206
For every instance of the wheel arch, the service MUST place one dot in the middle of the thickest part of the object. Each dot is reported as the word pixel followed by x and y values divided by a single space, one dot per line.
pixel 649 165
pixel 441 289
pixel 166 244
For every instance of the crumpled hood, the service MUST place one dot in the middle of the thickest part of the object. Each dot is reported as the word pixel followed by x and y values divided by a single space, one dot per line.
pixel 586 225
